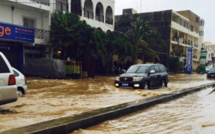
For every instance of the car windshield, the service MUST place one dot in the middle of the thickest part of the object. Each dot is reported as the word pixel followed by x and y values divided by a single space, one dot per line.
pixel 212 70
pixel 137 69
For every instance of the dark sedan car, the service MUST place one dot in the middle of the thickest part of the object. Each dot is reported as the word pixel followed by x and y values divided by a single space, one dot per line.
pixel 211 73
pixel 144 76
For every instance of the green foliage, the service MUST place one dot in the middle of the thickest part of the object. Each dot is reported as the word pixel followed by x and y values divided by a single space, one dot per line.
pixel 78 40
pixel 173 63
pixel 138 34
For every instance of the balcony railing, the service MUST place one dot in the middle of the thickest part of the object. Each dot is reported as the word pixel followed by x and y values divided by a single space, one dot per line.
pixel 61 6
pixel 194 57
pixel 44 2
pixel 109 20
pixel 88 14
pixel 174 39
pixel 195 45
pixel 100 18
pixel 41 34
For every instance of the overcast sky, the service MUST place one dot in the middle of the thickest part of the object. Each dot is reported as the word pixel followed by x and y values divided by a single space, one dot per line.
pixel 203 8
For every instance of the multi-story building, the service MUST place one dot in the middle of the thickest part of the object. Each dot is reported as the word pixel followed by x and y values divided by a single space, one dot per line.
pixel 25 24
pixel 178 30
pixel 24 30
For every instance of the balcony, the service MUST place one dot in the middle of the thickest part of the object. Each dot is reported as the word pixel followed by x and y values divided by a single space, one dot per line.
pixel 41 36
pixel 43 5
pixel 100 18
pixel 109 21
pixel 88 14
pixel 61 6
pixel 44 2
pixel 195 45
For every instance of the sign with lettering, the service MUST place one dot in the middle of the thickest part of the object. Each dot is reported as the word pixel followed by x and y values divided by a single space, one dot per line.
pixel 16 33
pixel 189 60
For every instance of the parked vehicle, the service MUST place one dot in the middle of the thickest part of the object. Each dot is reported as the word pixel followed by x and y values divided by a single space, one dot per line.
pixel 207 68
pixel 144 76
pixel 8 88
pixel 20 82
pixel 211 73
pixel 45 67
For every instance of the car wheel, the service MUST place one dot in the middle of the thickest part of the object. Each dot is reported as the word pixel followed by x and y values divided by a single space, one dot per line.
pixel 164 83
pixel 146 85
pixel 20 91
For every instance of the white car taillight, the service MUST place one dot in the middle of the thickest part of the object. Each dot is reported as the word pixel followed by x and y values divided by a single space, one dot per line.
pixel 12 80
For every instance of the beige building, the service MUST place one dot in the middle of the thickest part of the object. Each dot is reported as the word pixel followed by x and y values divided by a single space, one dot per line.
pixel 187 30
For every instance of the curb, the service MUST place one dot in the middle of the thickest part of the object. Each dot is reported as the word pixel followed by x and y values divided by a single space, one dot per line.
pixel 68 124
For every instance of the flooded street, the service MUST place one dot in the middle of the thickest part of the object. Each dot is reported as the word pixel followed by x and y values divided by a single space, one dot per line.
pixel 48 99
pixel 191 114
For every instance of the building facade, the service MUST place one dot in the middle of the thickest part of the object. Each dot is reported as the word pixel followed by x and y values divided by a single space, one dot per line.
pixel 179 30
pixel 28 23
pixel 210 52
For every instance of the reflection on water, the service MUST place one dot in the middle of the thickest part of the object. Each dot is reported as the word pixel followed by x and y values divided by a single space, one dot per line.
pixel 192 114
pixel 49 99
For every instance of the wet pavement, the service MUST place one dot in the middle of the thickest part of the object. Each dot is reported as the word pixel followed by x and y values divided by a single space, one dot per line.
pixel 191 114
pixel 50 99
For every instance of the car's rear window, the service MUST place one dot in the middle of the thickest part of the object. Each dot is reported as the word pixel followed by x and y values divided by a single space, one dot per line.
pixel 15 73
pixel 3 66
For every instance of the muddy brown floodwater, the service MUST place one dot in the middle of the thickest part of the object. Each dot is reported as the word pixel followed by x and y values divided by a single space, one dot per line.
pixel 50 99
pixel 191 114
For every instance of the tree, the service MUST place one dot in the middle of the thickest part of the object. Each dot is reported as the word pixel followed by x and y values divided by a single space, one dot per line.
pixel 62 25
pixel 79 41
pixel 136 35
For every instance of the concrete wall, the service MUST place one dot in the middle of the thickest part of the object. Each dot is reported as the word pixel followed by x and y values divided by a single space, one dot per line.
pixel 16 16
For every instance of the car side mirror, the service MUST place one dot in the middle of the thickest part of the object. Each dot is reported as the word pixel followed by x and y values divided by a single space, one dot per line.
pixel 152 72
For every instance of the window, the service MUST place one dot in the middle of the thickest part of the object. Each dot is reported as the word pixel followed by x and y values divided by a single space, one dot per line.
pixel 191 28
pixel 185 23
pixel 202 23
pixel 142 70
pixel 180 21
pixel 201 33
pixel 28 23
pixel 162 69
pixel 151 68
pixel 157 69
pixel 15 73
pixel 3 66
pixel 197 20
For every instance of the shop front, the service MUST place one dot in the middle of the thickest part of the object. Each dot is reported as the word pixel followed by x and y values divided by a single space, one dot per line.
pixel 12 40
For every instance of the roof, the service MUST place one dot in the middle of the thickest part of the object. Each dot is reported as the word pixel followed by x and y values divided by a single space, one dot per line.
pixel 145 64
pixel 208 43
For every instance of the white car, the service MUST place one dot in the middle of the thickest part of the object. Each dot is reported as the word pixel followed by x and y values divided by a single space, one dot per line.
pixel 207 68
pixel 20 82
pixel 8 88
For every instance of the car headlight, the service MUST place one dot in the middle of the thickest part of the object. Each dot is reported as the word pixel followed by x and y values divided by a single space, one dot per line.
pixel 117 78
pixel 137 78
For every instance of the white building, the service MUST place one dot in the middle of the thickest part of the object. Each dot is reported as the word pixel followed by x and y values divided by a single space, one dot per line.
pixel 25 24
pixel 210 52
